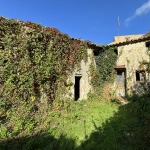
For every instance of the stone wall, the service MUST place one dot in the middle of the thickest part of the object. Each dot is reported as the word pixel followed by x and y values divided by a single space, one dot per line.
pixel 84 73
pixel 118 39
pixel 131 55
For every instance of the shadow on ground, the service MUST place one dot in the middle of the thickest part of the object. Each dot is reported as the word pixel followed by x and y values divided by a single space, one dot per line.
pixel 128 129
pixel 38 142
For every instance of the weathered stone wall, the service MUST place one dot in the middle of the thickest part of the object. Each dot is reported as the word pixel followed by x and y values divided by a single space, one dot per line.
pixel 131 55
pixel 84 73
pixel 118 39
pixel 125 38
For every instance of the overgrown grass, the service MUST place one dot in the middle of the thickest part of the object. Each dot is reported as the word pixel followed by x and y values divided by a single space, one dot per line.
pixel 87 125
pixel 128 129
pixel 25 126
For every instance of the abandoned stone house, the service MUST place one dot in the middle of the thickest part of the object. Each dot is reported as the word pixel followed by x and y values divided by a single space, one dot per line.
pixel 131 51
pixel 81 78
pixel 130 74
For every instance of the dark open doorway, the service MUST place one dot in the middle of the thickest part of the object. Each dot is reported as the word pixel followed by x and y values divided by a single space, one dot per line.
pixel 77 87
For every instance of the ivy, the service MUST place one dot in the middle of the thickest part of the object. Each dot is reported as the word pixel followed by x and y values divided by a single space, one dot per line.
pixel 105 62
pixel 35 59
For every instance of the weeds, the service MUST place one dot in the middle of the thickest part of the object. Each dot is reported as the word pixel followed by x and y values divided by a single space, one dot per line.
pixel 92 124
pixel 73 120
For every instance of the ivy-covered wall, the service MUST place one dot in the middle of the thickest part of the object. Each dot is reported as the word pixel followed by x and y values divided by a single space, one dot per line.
pixel 84 74
pixel 36 61
pixel 103 76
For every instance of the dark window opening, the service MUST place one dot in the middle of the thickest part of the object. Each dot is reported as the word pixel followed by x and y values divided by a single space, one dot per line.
pixel 96 53
pixel 1 47
pixel 116 51
pixel 77 87
pixel 147 45
pixel 137 76
pixel 140 76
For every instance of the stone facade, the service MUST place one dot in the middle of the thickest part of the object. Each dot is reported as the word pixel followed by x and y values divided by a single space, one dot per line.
pixel 81 78
pixel 131 52
pixel 130 73
pixel 125 38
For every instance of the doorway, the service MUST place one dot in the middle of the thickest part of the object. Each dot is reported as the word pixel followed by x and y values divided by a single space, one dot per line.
pixel 121 82
pixel 77 89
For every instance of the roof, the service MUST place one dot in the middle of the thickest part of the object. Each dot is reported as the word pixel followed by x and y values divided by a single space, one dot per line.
pixel 130 39
pixel 118 39
pixel 94 46
pixel 147 34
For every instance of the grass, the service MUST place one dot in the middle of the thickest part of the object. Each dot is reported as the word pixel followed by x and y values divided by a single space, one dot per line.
pixel 128 129
pixel 76 121
pixel 82 118
pixel 87 125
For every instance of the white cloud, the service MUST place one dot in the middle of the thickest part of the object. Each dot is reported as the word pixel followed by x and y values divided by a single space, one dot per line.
pixel 144 9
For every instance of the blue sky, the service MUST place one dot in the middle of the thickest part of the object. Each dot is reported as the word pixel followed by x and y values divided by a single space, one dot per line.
pixel 93 20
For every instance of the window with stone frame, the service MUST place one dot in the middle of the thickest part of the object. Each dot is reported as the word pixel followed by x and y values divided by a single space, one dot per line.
pixel 140 76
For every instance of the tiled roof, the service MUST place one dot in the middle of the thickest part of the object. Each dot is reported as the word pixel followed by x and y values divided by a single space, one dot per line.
pixel 89 43
pixel 145 37
pixel 147 34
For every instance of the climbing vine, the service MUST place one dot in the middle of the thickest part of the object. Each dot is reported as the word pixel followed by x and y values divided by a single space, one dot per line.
pixel 35 60
pixel 105 62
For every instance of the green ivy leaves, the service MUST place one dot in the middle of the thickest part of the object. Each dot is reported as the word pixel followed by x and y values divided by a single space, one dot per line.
pixel 105 62
pixel 35 59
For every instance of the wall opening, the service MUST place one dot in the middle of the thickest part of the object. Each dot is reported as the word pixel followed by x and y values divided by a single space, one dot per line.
pixel 147 45
pixel 121 82
pixel 137 76
pixel 140 76
pixel 77 89
pixel 116 51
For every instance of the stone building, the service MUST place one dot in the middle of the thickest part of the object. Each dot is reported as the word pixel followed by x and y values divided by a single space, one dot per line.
pixel 130 74
pixel 81 78
pixel 131 51
pixel 36 43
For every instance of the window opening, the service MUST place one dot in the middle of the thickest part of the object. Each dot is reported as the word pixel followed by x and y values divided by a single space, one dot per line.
pixel 116 51
pixel 147 45
pixel 140 76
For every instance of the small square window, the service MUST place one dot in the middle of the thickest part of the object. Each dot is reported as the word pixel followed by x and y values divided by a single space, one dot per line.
pixel 116 51
pixel 140 76
pixel 147 44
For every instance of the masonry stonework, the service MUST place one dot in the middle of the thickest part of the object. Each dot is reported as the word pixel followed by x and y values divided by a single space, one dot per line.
pixel 84 73
pixel 131 55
